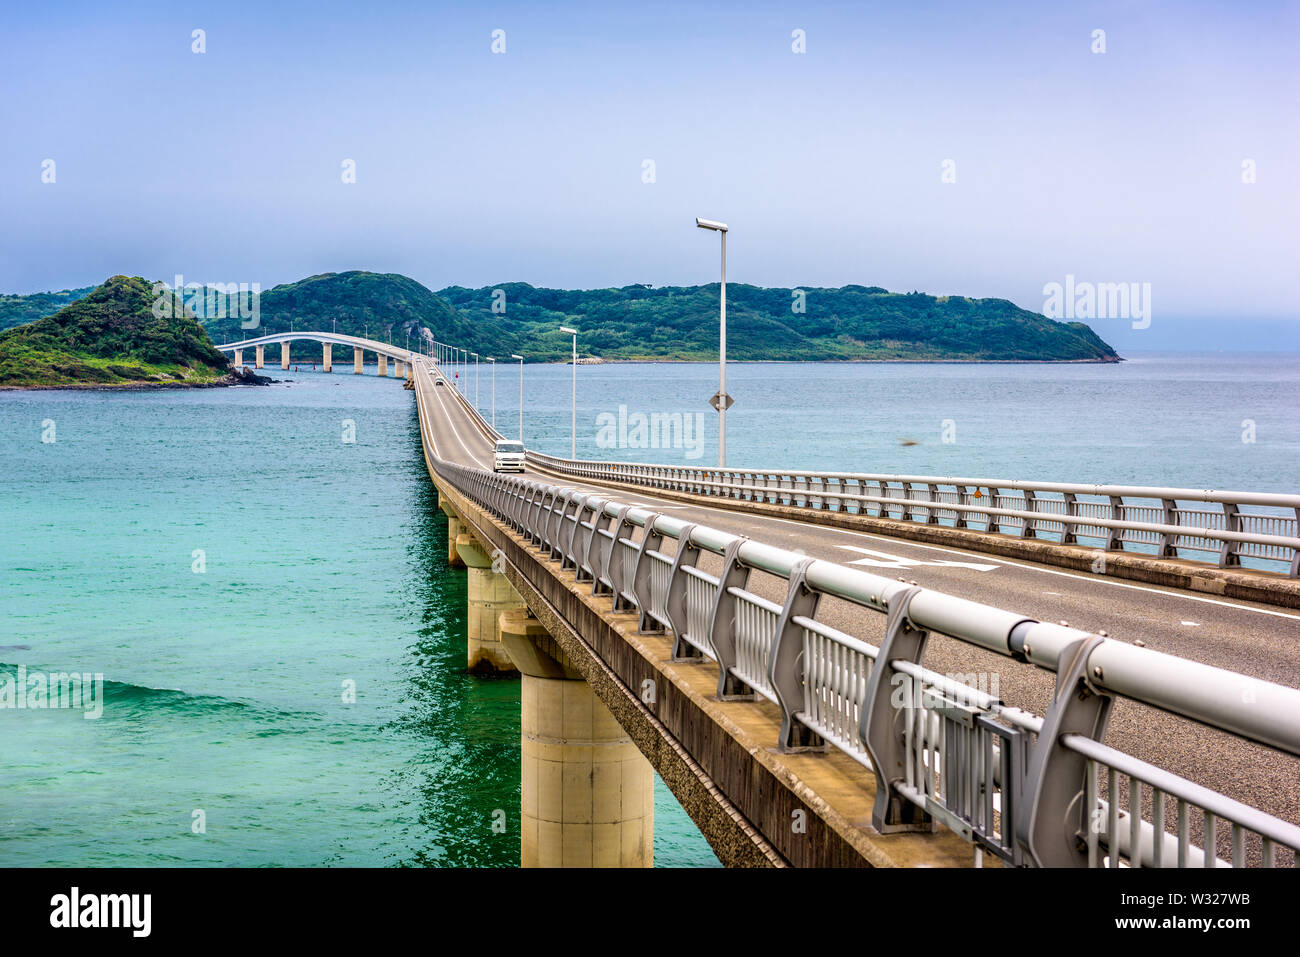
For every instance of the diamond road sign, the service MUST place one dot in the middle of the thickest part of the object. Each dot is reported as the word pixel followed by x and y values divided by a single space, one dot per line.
pixel 720 400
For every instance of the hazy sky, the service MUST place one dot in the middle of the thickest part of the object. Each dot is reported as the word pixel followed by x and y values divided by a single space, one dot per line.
pixel 475 168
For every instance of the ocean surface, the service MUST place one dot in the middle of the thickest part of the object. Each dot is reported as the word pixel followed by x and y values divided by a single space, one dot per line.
pixel 1154 419
pixel 282 643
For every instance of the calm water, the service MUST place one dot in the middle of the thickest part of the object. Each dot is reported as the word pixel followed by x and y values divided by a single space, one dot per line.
pixel 324 568
pixel 324 563
pixel 1152 420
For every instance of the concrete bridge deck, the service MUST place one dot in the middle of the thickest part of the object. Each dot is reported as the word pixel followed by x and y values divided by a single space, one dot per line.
pixel 327 340
pixel 757 791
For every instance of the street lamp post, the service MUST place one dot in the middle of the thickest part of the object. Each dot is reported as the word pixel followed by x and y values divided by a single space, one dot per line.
pixel 475 355
pixel 521 394
pixel 494 391
pixel 721 400
pixel 573 444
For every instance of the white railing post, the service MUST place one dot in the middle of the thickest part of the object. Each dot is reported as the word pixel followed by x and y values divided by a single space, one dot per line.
pixel 884 737
pixel 786 666
pixel 722 633
pixel 688 553
pixel 1054 812
pixel 651 541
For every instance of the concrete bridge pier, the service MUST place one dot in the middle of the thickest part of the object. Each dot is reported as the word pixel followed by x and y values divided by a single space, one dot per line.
pixel 490 594
pixel 284 355
pixel 261 357
pixel 454 530
pixel 588 793
pixel 398 371
pixel 357 366
pixel 239 358
pixel 327 359
pixel 383 364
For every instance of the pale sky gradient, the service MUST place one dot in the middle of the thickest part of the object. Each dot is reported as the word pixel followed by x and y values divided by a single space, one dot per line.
pixel 475 168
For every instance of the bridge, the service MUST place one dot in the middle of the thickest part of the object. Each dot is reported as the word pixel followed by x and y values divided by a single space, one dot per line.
pixel 327 340
pixel 832 670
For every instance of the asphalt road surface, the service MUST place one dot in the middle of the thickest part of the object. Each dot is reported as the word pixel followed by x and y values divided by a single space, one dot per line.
pixel 1254 639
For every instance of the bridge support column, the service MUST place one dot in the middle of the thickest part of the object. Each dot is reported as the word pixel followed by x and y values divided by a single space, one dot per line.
pixel 284 355
pixel 490 593
pixel 383 364
pixel 588 793
pixel 261 357
pixel 327 359
pixel 398 371
pixel 409 373
pixel 239 358
pixel 454 531
pixel 357 367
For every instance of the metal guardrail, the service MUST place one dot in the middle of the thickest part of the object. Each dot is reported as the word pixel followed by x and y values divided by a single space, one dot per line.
pixel 1230 526
pixel 1022 787
pixel 1025 788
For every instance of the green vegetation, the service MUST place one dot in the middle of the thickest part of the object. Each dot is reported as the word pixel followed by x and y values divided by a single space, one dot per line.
pixel 665 323
pixel 15 310
pixel 851 322
pixel 382 305
pixel 112 337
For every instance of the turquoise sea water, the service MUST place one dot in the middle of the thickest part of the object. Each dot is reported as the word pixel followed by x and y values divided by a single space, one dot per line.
pixel 323 567
pixel 324 562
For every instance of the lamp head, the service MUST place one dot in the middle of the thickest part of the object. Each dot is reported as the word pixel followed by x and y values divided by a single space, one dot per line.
pixel 710 224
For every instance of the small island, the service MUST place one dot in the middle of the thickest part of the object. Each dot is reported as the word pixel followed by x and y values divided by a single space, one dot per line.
pixel 115 337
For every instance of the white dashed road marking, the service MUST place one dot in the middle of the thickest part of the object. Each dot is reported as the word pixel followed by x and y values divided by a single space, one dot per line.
pixel 885 560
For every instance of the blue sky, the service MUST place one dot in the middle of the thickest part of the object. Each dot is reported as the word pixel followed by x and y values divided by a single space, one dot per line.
pixel 475 168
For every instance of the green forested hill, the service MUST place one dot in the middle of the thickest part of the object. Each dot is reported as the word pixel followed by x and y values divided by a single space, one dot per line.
pixel 669 322
pixel 15 310
pixel 111 336
pixel 850 322
pixel 382 305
